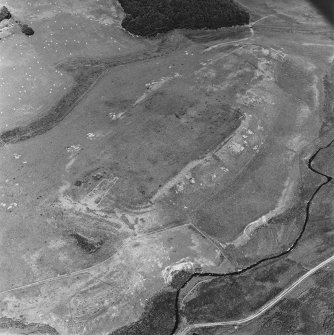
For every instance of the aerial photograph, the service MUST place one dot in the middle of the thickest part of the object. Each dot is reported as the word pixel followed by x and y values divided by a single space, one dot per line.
pixel 166 167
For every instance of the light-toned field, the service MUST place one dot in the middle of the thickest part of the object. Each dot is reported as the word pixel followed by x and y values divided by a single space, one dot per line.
pixel 125 161
pixel 63 29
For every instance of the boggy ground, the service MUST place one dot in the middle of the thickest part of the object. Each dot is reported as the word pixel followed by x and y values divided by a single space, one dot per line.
pixel 189 155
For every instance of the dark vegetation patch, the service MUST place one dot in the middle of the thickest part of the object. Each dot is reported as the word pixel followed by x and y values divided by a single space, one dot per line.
pixel 150 17
pixel 26 30
pixel 233 297
pixel 78 183
pixel 293 316
pixel 180 279
pixel 283 322
pixel 328 324
pixel 87 244
pixel 311 313
pixel 221 299
pixel 5 14
pixel 271 274
pixel 325 280
pixel 157 319
pixel 289 215
pixel 29 328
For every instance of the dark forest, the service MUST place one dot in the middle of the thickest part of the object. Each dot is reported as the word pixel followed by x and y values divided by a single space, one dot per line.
pixel 151 17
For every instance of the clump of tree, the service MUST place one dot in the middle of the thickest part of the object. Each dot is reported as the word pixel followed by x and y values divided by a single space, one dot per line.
pixel 5 14
pixel 150 17
pixel 27 30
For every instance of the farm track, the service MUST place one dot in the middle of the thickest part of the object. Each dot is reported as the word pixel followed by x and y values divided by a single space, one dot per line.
pixel 177 331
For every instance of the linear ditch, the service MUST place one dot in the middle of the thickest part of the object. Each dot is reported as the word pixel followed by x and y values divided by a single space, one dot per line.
pixel 252 266
pixel 90 73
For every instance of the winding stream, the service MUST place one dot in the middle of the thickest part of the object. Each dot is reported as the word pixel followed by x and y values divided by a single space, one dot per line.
pixel 252 266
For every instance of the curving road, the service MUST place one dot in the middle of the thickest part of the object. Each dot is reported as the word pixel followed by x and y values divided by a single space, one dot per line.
pixel 264 308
